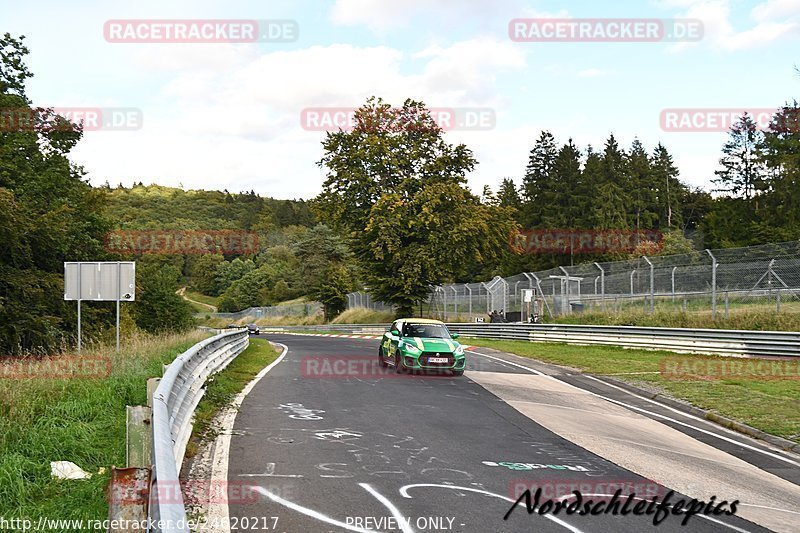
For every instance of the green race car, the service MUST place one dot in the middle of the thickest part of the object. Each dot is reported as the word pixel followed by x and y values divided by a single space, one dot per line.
pixel 421 344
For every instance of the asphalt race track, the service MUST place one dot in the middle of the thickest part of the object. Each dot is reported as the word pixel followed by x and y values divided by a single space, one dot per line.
pixel 335 443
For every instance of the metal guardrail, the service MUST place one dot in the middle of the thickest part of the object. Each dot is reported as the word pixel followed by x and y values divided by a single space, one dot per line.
pixel 174 402
pixel 698 341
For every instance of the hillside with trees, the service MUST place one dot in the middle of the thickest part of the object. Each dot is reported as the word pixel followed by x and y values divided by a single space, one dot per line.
pixel 395 215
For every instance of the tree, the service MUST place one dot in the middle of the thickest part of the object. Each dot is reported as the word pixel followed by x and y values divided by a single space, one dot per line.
pixel 612 199
pixel 332 290
pixel 49 214
pixel 536 185
pixel 508 195
pixel 743 171
pixel 396 189
pixel 781 148
pixel 643 209
pixel 158 308
pixel 670 189
pixel 566 189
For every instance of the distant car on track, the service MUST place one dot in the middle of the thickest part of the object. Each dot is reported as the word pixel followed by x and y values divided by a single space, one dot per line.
pixel 252 329
pixel 421 344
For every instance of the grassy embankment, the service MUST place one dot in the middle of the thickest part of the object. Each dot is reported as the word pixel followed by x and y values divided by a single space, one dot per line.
pixel 46 417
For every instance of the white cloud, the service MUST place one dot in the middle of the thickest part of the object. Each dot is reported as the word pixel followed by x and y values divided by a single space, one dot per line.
pixel 591 73
pixel 772 20
pixel 382 15
pixel 238 126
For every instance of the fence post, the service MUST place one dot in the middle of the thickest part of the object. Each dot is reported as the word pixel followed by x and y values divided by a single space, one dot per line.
pixel 673 282
pixel 652 289
pixel 713 284
pixel 569 307
pixel 632 273
pixel 602 285
pixel 726 305
pixel 469 290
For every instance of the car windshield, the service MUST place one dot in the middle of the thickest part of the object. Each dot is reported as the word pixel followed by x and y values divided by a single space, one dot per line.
pixel 431 331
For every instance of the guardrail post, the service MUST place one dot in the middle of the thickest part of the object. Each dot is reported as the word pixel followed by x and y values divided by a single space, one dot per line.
pixel 602 286
pixel 652 290
pixel 713 284
pixel 138 436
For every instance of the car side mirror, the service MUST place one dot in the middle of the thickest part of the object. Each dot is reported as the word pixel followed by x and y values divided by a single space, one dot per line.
pixel 455 335
pixel 395 332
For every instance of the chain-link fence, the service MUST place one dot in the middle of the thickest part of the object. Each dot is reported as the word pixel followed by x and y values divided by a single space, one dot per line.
pixel 715 281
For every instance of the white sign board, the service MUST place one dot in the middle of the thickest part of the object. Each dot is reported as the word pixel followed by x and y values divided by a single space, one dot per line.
pixel 527 295
pixel 100 281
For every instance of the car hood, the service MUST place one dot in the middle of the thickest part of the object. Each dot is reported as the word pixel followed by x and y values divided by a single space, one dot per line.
pixel 432 345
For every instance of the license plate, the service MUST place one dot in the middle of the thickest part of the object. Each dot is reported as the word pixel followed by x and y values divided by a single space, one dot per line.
pixel 438 359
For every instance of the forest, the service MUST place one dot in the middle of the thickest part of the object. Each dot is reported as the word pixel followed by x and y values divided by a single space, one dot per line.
pixel 395 229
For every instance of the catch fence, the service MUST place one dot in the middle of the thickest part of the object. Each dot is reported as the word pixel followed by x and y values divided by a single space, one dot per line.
pixel 717 282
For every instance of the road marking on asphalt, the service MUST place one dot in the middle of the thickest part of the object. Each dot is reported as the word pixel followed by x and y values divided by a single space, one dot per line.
pixel 405 494
pixel 309 512
pixel 270 472
pixel 657 415
pixel 405 527
pixel 219 513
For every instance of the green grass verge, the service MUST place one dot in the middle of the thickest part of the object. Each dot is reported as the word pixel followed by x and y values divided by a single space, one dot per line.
pixel 750 318
pixel 223 387
pixel 203 298
pixel 771 405
pixel 80 420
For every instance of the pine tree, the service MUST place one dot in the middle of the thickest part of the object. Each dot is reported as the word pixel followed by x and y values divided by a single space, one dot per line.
pixel 665 179
pixel 743 170
pixel 536 185
pixel 567 207
pixel 644 192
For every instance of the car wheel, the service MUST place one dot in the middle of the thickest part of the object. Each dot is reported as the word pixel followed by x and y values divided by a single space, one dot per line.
pixel 458 372
pixel 381 360
pixel 399 366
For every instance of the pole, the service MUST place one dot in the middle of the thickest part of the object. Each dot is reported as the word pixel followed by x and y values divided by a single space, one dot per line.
pixel 119 286
pixel 569 306
pixel 80 273
pixel 632 273
pixel 602 285
pixel 673 282
pixel 469 290
pixel 713 284
pixel 652 289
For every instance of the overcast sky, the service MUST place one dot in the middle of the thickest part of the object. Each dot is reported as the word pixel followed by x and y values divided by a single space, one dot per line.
pixel 228 116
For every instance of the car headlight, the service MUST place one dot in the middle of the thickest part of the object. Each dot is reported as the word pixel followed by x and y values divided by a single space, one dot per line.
pixel 459 350
pixel 410 348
